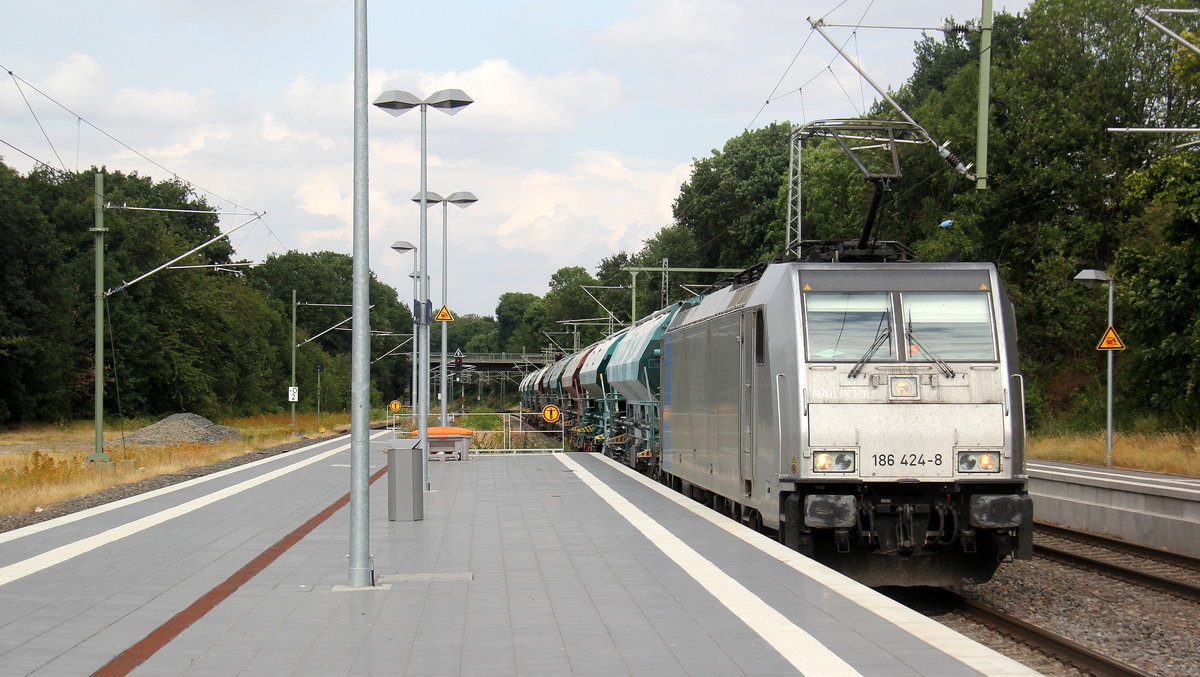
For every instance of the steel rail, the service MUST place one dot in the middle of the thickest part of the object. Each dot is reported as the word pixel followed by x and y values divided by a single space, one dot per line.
pixel 1143 576
pixel 1132 548
pixel 1064 649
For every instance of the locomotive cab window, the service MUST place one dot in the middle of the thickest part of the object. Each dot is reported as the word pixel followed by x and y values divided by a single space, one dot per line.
pixel 760 338
pixel 954 326
pixel 845 327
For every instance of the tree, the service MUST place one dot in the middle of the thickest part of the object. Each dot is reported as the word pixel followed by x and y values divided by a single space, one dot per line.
pixel 510 315
pixel 1157 274
pixel 734 203
pixel 35 321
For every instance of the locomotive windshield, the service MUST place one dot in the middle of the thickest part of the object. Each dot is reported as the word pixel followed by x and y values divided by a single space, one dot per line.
pixel 937 326
pixel 950 326
pixel 842 327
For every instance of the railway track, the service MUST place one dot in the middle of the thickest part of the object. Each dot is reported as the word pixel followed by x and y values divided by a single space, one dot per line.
pixel 1037 647
pixel 1176 574
pixel 1064 651
pixel 1101 558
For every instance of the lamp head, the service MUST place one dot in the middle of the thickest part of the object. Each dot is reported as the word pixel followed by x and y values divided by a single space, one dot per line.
pixel 462 198
pixel 397 102
pixel 402 246
pixel 449 101
pixel 430 197
pixel 1092 278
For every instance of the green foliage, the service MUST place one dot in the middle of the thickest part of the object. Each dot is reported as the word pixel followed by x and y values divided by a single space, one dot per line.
pixel 180 340
pixel 735 201
pixel 511 331
pixel 35 346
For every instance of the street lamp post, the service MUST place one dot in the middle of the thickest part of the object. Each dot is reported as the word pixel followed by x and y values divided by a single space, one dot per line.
pixel 397 102
pixel 1092 279
pixel 402 246
pixel 462 199
pixel 415 332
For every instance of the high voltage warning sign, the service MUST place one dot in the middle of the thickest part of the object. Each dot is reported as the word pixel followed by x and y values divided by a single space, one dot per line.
pixel 443 315
pixel 1110 340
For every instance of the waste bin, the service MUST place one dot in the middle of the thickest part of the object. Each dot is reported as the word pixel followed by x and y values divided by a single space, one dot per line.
pixel 406 496
pixel 447 443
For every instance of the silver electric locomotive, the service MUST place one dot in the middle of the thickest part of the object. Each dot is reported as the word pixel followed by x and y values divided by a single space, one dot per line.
pixel 871 413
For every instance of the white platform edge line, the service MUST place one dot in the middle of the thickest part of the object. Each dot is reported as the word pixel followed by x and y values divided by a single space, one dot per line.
pixel 1164 485
pixel 32 565
pixel 132 500
pixel 1115 473
pixel 799 648
pixel 961 647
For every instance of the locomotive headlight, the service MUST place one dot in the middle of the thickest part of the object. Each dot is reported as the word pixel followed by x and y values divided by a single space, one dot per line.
pixel 978 461
pixel 904 387
pixel 833 461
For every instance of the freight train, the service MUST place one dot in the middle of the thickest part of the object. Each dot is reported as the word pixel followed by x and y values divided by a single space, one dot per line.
pixel 869 415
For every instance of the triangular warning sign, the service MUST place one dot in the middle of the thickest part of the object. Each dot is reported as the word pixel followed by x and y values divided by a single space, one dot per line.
pixel 983 287
pixel 443 315
pixel 1110 340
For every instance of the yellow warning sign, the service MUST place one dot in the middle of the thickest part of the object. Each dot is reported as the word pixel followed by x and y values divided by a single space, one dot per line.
pixel 550 413
pixel 394 406
pixel 983 287
pixel 1110 341
pixel 443 315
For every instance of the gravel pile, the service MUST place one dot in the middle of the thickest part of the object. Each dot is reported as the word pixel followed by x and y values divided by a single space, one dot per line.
pixel 1151 630
pixel 181 429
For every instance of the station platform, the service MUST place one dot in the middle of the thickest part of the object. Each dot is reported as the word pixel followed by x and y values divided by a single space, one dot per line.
pixel 553 564
pixel 1145 508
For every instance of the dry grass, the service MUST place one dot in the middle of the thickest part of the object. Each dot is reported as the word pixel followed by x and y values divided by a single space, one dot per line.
pixel 47 464
pixel 1174 453
pixel 60 436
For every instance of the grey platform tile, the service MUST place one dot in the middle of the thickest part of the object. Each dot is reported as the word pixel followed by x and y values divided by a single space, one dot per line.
pixel 568 607
pixel 488 670
pixel 20 665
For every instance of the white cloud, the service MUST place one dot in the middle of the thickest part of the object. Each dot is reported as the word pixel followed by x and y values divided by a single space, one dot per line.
pixel 161 108
pixel 78 81
pixel 700 25
pixel 509 100
pixel 600 204
pixel 274 130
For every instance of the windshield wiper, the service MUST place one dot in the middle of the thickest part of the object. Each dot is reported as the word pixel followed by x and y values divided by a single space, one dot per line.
pixel 942 366
pixel 885 334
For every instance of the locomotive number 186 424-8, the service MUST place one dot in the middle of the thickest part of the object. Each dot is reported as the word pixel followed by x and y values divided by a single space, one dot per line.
pixel 892 460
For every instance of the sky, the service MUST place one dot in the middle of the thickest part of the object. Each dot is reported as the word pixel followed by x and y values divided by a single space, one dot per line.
pixel 586 118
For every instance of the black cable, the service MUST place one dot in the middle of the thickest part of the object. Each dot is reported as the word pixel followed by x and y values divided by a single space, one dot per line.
pixel 17 84
pixel 112 349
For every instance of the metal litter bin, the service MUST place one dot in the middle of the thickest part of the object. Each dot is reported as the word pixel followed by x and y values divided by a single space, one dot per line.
pixel 447 443
pixel 406 498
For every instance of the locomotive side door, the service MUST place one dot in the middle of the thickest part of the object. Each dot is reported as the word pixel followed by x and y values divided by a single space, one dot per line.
pixel 750 330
